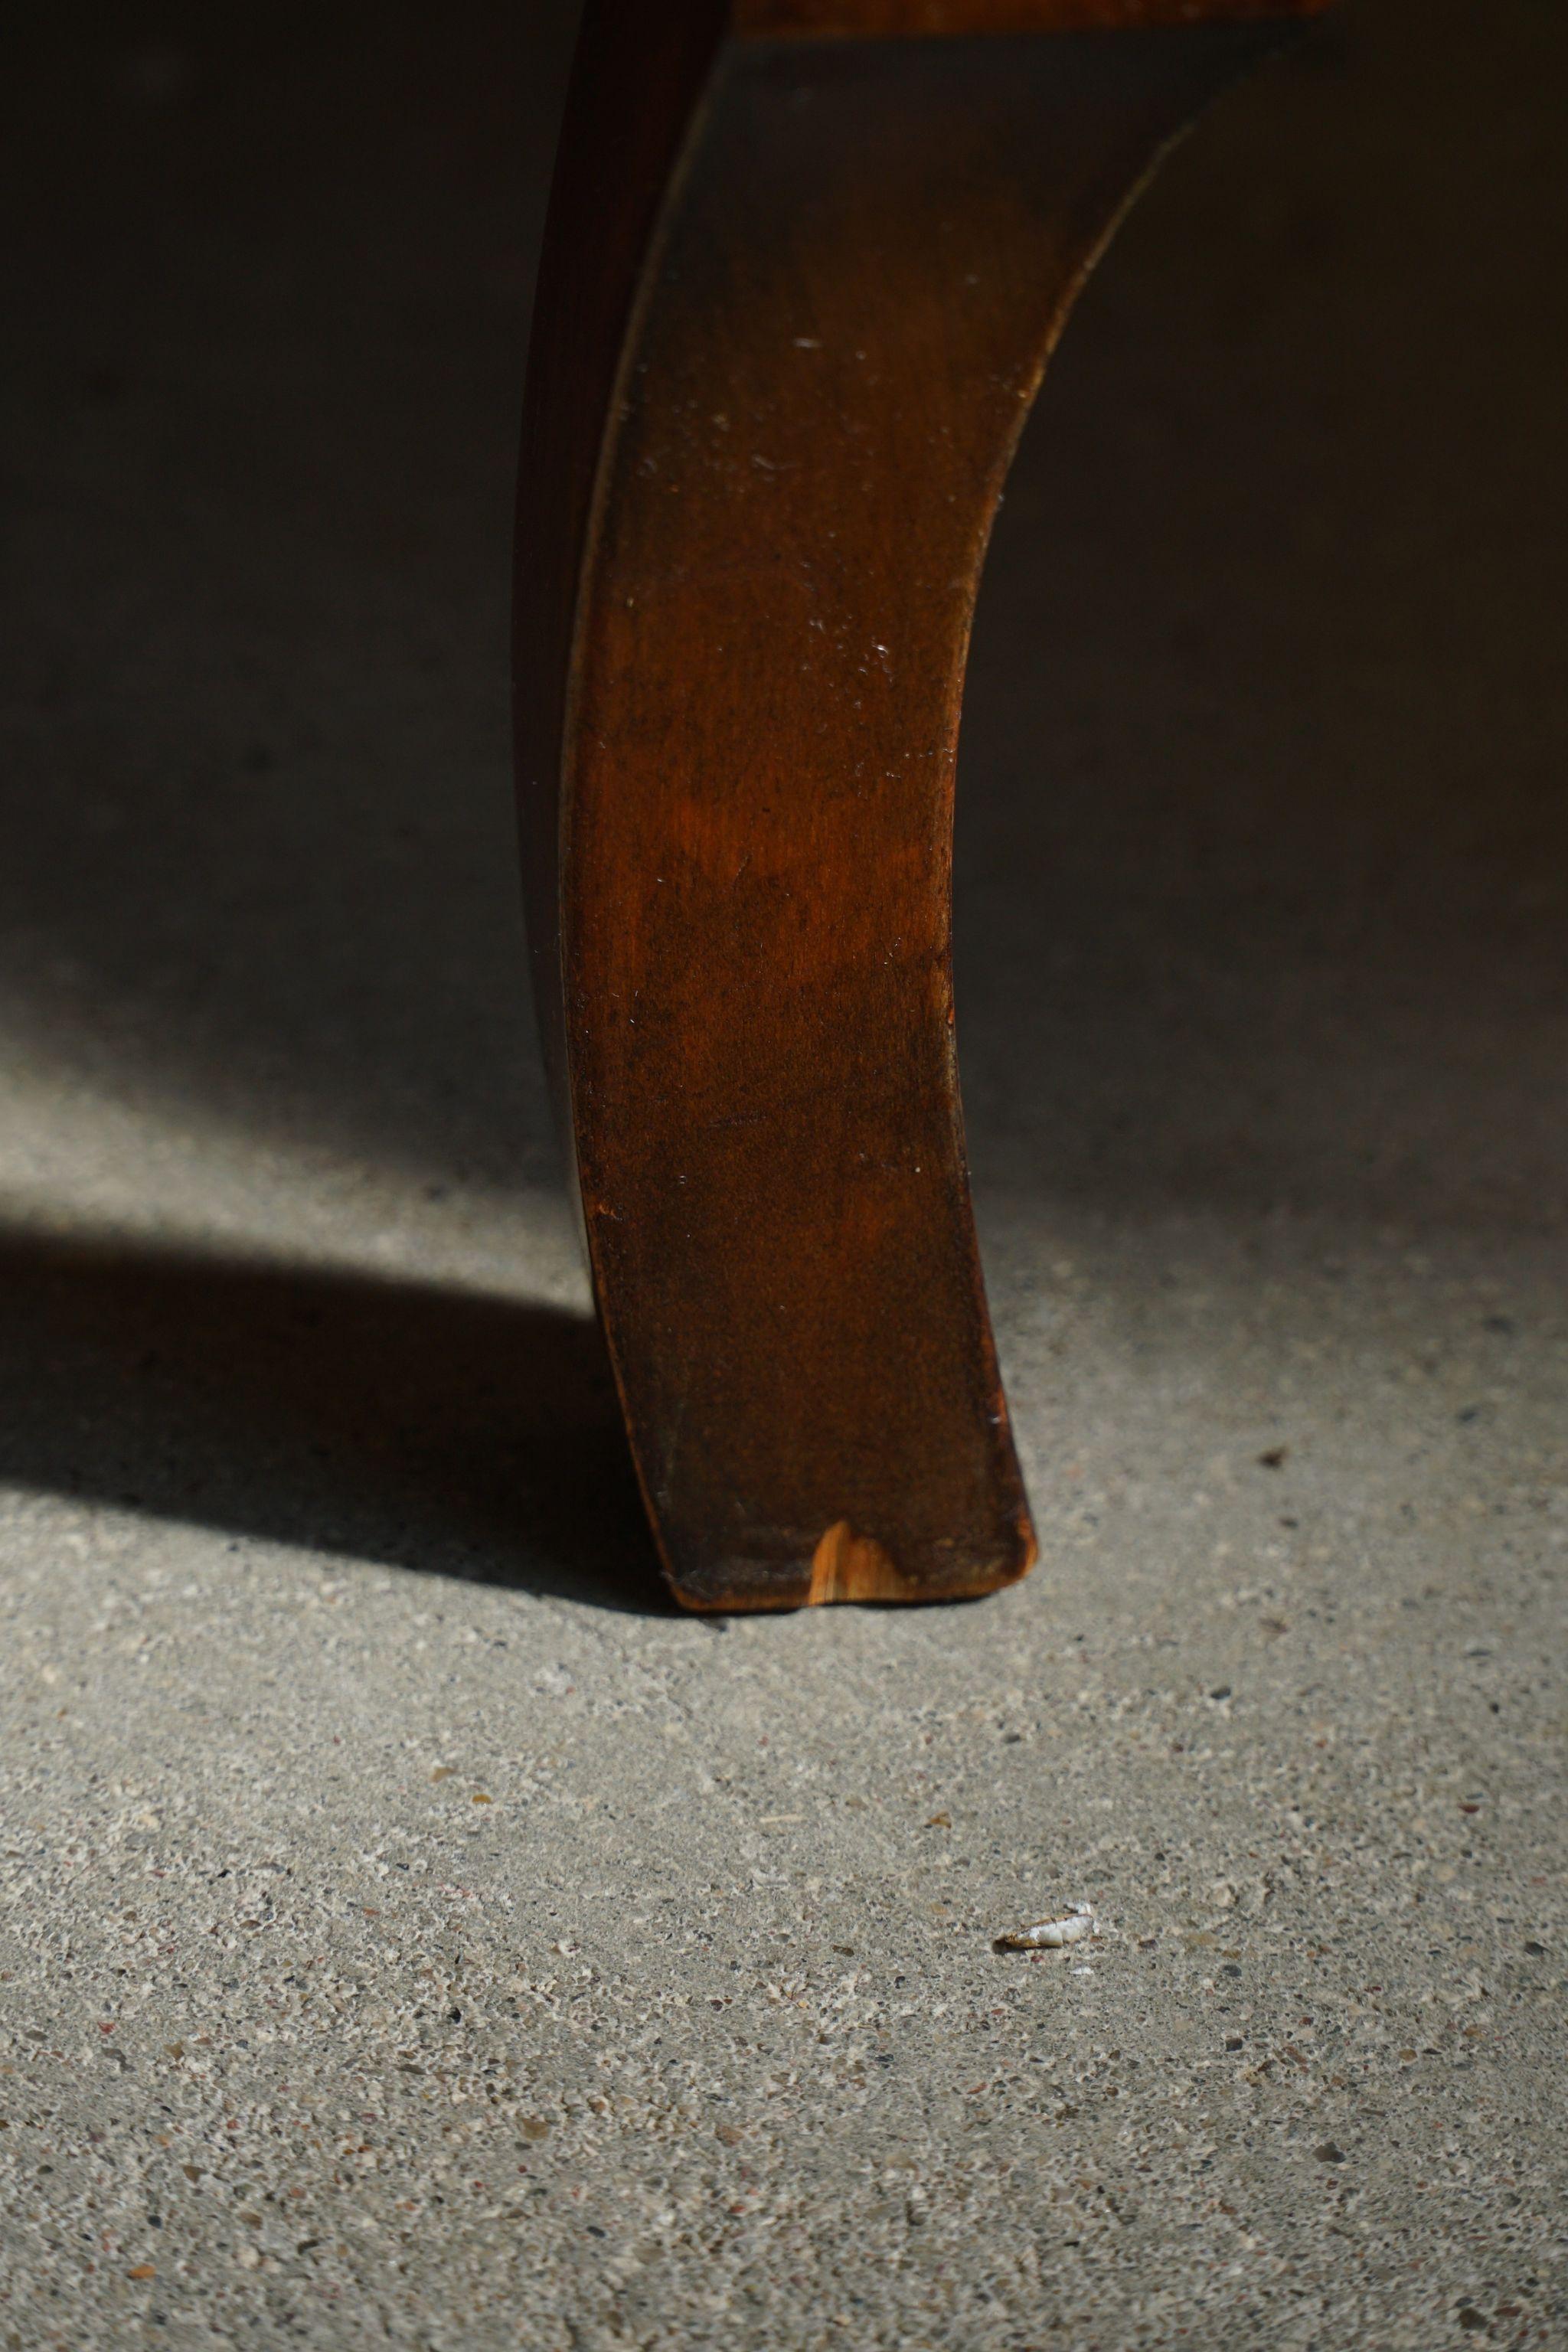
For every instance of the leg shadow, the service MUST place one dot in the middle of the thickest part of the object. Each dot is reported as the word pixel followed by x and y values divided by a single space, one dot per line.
pixel 416 1426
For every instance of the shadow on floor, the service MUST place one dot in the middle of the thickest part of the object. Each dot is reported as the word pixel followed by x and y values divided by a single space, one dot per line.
pixel 414 1426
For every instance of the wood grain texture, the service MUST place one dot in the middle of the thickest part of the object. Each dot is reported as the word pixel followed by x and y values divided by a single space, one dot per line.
pixel 776 412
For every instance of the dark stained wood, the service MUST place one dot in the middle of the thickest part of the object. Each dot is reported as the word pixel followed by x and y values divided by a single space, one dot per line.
pixel 636 81
pixel 797 297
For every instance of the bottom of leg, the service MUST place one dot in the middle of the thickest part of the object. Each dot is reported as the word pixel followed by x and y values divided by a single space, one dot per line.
pixel 845 1565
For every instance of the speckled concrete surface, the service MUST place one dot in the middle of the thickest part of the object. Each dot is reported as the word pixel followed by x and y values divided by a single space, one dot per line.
pixel 412 1933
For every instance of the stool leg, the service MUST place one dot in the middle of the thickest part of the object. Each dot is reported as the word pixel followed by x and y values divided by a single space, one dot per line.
pixel 775 387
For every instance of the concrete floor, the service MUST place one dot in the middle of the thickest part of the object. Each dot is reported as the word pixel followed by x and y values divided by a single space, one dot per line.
pixel 413 1934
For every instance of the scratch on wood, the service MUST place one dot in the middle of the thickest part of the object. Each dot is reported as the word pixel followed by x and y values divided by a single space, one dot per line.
pixel 847 1567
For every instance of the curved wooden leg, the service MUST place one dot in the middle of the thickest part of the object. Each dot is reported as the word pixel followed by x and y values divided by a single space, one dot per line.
pixel 797 296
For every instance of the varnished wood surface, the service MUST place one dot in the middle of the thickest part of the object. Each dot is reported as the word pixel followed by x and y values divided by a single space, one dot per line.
pixel 771 407
pixel 637 79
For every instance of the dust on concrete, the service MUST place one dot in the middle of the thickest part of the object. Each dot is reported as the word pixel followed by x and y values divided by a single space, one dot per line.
pixel 413 1934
